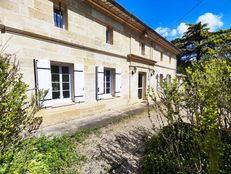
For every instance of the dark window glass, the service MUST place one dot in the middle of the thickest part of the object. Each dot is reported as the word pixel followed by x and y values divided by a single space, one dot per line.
pixel 55 77
pixel 55 69
pixel 66 94
pixel 65 70
pixel 55 86
pixel 65 78
pixel 56 95
pixel 108 91
pixel 140 81
pixel 66 86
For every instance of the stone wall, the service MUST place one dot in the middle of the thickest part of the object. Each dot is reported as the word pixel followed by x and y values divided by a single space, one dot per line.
pixel 85 27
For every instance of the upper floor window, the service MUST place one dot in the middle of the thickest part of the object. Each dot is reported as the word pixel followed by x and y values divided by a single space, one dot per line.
pixel 161 56
pixel 109 35
pixel 60 16
pixel 143 49
pixel 170 59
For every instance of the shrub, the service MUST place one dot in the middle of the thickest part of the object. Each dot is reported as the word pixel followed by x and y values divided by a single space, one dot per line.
pixel 16 111
pixel 176 149
pixel 44 155
pixel 204 101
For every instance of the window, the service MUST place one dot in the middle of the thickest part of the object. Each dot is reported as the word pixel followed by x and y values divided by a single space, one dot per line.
pixel 61 83
pixel 161 80
pixel 109 35
pixel 169 78
pixel 60 16
pixel 170 59
pixel 161 56
pixel 108 81
pixel 143 49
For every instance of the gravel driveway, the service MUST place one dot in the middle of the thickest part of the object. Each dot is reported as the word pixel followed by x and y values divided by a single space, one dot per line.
pixel 117 148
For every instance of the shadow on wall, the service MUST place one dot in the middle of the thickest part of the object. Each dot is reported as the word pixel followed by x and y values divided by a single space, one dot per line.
pixel 126 152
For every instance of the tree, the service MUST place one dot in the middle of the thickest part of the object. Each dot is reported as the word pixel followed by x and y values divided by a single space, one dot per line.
pixel 198 43
pixel 16 110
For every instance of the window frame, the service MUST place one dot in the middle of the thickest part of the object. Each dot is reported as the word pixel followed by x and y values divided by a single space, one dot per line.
pixel 142 44
pixel 70 73
pixel 105 81
pixel 62 9
pixel 161 56
pixel 109 35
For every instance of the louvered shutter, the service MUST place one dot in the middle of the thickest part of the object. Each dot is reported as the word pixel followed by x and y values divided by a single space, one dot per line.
pixel 99 83
pixel 118 83
pixel 79 83
pixel 43 74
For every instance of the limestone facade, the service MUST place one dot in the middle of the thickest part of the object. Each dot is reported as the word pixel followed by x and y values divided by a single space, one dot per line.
pixel 27 27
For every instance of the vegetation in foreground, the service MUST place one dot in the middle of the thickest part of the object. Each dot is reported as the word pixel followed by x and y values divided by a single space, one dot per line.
pixel 193 135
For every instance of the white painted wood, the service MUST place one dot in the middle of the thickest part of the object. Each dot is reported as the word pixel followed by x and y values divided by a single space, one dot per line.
pixel 43 70
pixel 152 80
pixel 118 83
pixel 100 83
pixel 79 83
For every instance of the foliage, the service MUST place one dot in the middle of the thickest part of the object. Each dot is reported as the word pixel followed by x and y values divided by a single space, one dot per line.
pixel 176 149
pixel 49 154
pixel 199 43
pixel 204 101
pixel 16 111
pixel 44 155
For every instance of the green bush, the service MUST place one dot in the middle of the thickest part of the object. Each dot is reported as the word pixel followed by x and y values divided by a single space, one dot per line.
pixel 44 155
pixel 17 112
pixel 203 100
pixel 176 150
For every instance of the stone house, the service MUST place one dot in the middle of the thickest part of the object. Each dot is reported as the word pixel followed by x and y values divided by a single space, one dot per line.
pixel 91 55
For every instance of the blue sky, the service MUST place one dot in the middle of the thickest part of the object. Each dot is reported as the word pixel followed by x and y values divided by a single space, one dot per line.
pixel 168 17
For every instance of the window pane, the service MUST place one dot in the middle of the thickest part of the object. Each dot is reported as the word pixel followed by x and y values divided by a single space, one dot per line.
pixel 54 69
pixel 55 78
pixel 140 81
pixel 56 95
pixel 55 87
pixel 65 70
pixel 108 84
pixel 66 94
pixel 65 78
pixel 108 91
pixel 66 86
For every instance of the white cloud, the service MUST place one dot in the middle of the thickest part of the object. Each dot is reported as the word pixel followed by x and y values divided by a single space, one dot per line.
pixel 214 21
pixel 163 31
pixel 182 28
pixel 173 33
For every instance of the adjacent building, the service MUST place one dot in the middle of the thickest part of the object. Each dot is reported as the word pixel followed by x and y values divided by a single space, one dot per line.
pixel 91 55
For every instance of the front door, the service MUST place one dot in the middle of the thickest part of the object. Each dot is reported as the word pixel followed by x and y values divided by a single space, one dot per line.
pixel 141 85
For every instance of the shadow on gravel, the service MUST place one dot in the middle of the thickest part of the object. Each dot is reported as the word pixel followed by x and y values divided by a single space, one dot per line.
pixel 124 154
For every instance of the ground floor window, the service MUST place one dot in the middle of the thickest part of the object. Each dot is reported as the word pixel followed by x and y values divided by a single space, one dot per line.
pixel 108 81
pixel 61 82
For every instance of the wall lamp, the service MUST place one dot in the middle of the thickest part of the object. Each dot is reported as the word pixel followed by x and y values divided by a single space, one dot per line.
pixel 152 72
pixel 133 70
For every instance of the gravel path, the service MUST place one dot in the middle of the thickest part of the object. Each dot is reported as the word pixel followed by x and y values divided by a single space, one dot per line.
pixel 118 148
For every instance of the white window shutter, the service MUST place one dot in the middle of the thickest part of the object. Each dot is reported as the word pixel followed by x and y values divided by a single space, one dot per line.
pixel 118 83
pixel 79 83
pixel 99 82
pixel 43 72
